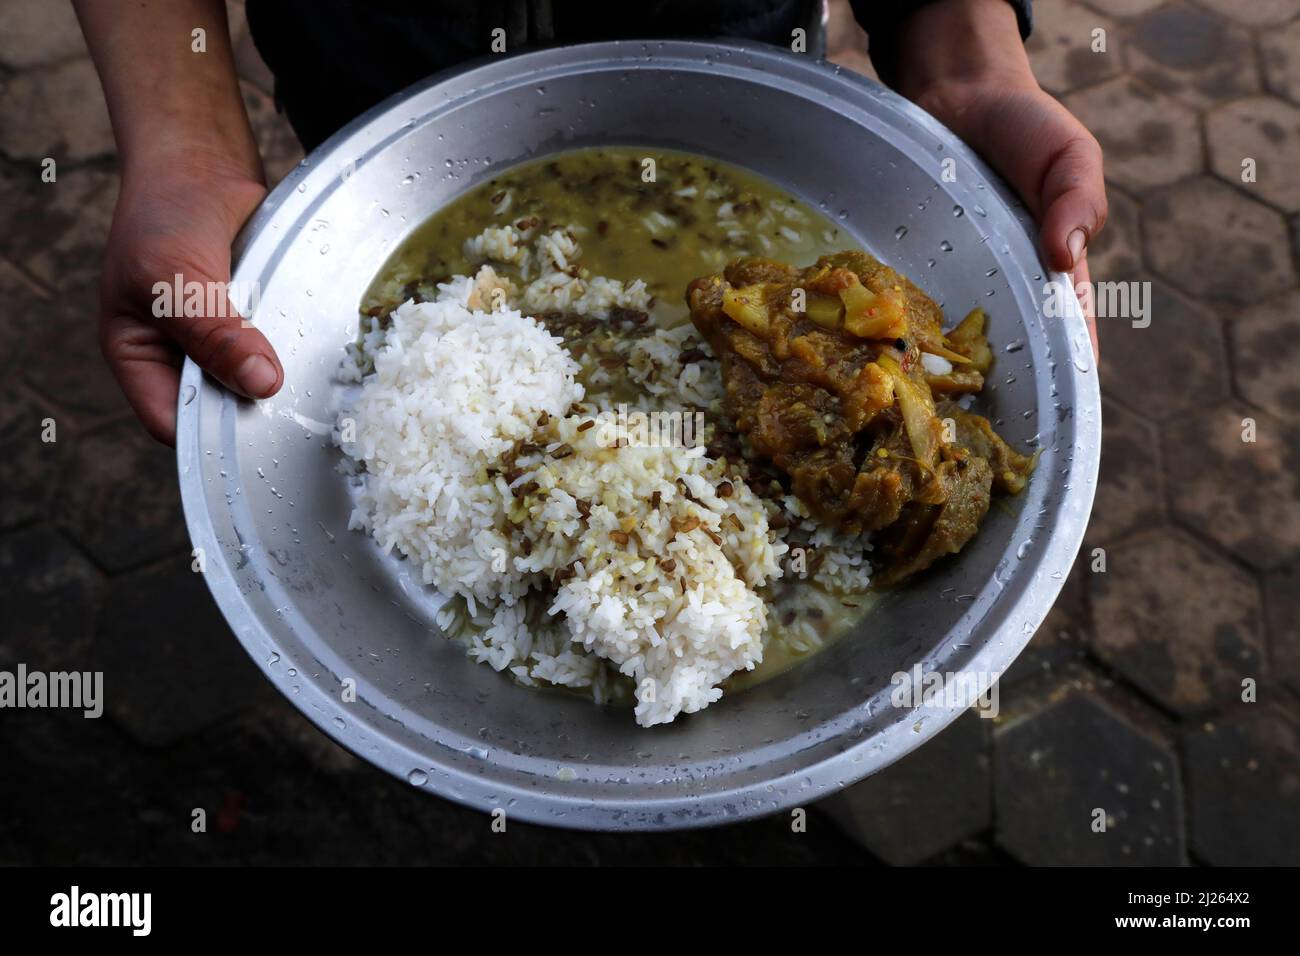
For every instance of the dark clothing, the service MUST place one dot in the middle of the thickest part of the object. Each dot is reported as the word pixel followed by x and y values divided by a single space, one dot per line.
pixel 334 59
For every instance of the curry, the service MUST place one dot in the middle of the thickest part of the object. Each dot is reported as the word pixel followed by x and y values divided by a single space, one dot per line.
pixel 826 379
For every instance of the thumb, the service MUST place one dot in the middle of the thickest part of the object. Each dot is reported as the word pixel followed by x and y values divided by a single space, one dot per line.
pixel 197 314
pixel 1073 202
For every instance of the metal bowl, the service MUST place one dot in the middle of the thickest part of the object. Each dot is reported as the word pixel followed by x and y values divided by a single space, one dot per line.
pixel 321 611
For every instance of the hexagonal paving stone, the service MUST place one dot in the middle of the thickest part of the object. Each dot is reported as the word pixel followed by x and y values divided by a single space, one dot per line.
pixel 64 363
pixel 119 498
pixel 1178 620
pixel 171 665
pixel 1256 13
pixel 1059 644
pixel 1243 789
pixel 1054 769
pixel 51 595
pixel 1149 140
pixel 57 112
pixel 1282 615
pixel 56 231
pixel 1183 344
pixel 40 747
pixel 1073 596
pixel 1264 129
pixel 1243 495
pixel 22 299
pixel 927 802
pixel 279 718
pixel 1192 54
pixel 1210 240
pixel 1128 490
pixel 1116 254
pixel 29 468
pixel 1266 353
pixel 37 32
pixel 1280 52
pixel 1061 46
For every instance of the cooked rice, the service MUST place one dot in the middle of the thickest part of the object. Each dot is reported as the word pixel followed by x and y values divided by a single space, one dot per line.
pixel 578 557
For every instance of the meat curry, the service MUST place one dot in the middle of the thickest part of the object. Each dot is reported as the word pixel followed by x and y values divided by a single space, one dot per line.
pixel 826 378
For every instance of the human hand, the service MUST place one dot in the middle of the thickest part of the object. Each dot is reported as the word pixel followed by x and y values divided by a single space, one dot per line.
pixel 178 215
pixel 963 62
pixel 191 175
pixel 1045 154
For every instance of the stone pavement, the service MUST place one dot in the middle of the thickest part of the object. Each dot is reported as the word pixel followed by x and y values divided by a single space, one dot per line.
pixel 1129 699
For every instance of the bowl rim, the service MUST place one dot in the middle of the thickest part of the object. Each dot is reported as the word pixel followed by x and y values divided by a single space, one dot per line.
pixel 840 757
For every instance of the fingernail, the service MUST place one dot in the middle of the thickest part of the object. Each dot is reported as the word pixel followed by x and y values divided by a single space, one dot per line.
pixel 1075 244
pixel 257 376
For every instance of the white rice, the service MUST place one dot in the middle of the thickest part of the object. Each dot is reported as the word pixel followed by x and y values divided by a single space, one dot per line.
pixel 577 558
pixel 673 609
pixel 453 392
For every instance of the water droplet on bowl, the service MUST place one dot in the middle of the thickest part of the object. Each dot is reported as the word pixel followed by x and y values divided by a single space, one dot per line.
pixel 1082 352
